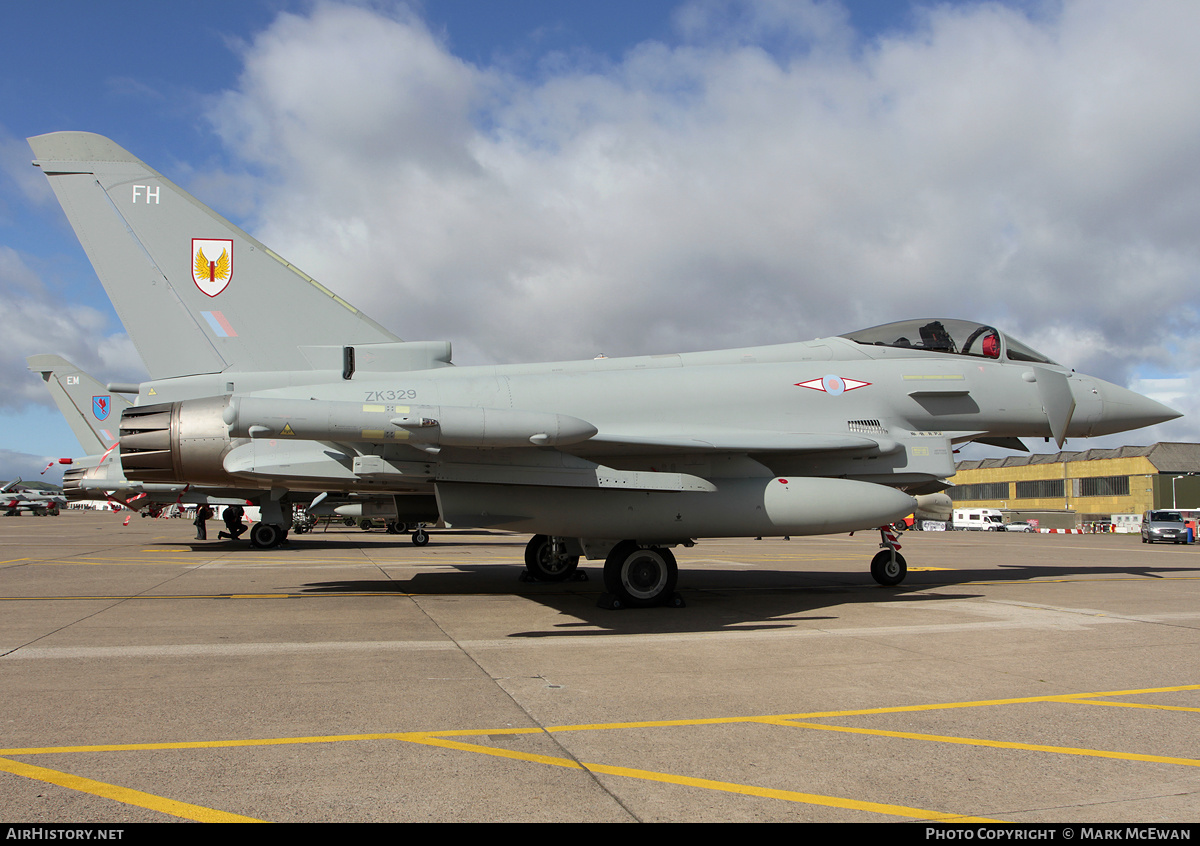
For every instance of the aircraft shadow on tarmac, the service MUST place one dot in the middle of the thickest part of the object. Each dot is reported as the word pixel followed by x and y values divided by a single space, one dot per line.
pixel 719 598
pixel 716 597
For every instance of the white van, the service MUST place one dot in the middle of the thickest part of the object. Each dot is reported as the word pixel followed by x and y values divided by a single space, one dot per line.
pixel 978 520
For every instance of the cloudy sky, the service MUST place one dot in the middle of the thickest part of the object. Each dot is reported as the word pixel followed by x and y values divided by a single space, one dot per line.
pixel 537 180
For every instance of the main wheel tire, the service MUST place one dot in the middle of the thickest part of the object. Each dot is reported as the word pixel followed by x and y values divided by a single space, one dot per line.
pixel 888 570
pixel 546 563
pixel 266 536
pixel 640 577
pixel 420 537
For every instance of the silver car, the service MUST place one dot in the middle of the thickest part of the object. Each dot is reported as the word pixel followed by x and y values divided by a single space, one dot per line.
pixel 1019 527
pixel 1163 526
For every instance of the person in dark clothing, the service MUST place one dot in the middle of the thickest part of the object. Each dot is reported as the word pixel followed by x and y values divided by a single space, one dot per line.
pixel 233 523
pixel 203 513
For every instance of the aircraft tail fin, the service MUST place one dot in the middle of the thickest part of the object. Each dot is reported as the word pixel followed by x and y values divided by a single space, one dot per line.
pixel 195 293
pixel 91 410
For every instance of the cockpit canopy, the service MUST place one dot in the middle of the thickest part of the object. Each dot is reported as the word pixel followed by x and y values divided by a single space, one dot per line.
pixel 957 337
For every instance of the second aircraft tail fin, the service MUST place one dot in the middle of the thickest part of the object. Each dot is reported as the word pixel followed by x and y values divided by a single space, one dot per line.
pixel 91 410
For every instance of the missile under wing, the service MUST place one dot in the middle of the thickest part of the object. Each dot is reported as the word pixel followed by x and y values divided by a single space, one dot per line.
pixel 620 458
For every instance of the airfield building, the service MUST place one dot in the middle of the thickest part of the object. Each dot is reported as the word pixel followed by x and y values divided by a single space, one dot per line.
pixel 1072 489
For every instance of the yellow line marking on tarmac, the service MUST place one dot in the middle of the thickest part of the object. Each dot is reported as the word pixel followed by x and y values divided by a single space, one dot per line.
pixel 124 795
pixel 439 740
pixel 996 744
pixel 14 560
pixel 1074 701
pixel 358 594
pixel 704 783
pixel 95 562
pixel 812 715
pixel 1057 697
pixel 443 739
pixel 708 721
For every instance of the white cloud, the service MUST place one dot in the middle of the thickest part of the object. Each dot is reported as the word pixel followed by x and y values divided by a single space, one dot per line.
pixel 20 465
pixel 37 320
pixel 761 180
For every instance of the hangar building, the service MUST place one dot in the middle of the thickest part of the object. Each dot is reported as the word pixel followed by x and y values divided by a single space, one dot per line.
pixel 1067 489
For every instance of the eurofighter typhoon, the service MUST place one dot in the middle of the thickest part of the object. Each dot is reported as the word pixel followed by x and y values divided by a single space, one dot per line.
pixel 264 380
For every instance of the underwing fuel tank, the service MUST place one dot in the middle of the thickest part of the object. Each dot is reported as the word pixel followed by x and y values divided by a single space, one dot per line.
pixel 737 508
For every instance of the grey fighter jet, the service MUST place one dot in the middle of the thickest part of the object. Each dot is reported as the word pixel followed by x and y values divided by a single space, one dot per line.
pixel 15 500
pixel 93 411
pixel 262 378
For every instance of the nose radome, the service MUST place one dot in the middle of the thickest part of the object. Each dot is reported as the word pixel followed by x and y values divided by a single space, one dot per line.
pixel 1123 410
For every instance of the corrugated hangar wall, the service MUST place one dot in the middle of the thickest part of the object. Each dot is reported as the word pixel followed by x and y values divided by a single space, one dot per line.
pixel 1065 489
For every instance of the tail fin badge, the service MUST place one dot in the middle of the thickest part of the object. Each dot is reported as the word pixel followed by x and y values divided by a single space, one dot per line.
pixel 212 264
pixel 101 407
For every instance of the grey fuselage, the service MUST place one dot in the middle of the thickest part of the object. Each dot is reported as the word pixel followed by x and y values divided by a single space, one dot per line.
pixel 830 408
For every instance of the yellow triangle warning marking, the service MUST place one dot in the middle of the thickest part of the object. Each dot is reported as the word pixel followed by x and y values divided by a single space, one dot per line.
pixel 287 429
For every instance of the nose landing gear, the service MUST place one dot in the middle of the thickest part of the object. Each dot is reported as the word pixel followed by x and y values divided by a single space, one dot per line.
pixel 888 567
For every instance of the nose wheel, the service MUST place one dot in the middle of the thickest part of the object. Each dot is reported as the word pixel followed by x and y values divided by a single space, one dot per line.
pixel 888 567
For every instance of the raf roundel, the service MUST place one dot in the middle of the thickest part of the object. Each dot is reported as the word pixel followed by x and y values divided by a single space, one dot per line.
pixel 832 384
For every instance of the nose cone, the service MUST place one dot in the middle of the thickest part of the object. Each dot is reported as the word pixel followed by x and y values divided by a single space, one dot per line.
pixel 1122 410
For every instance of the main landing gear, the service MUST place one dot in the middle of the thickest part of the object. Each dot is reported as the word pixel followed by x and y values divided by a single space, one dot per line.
pixel 635 576
pixel 420 537
pixel 888 567
pixel 547 560
pixel 643 576
pixel 640 577
pixel 267 535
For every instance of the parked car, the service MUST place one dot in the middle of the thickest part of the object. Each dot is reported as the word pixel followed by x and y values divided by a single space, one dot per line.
pixel 1018 526
pixel 1163 526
